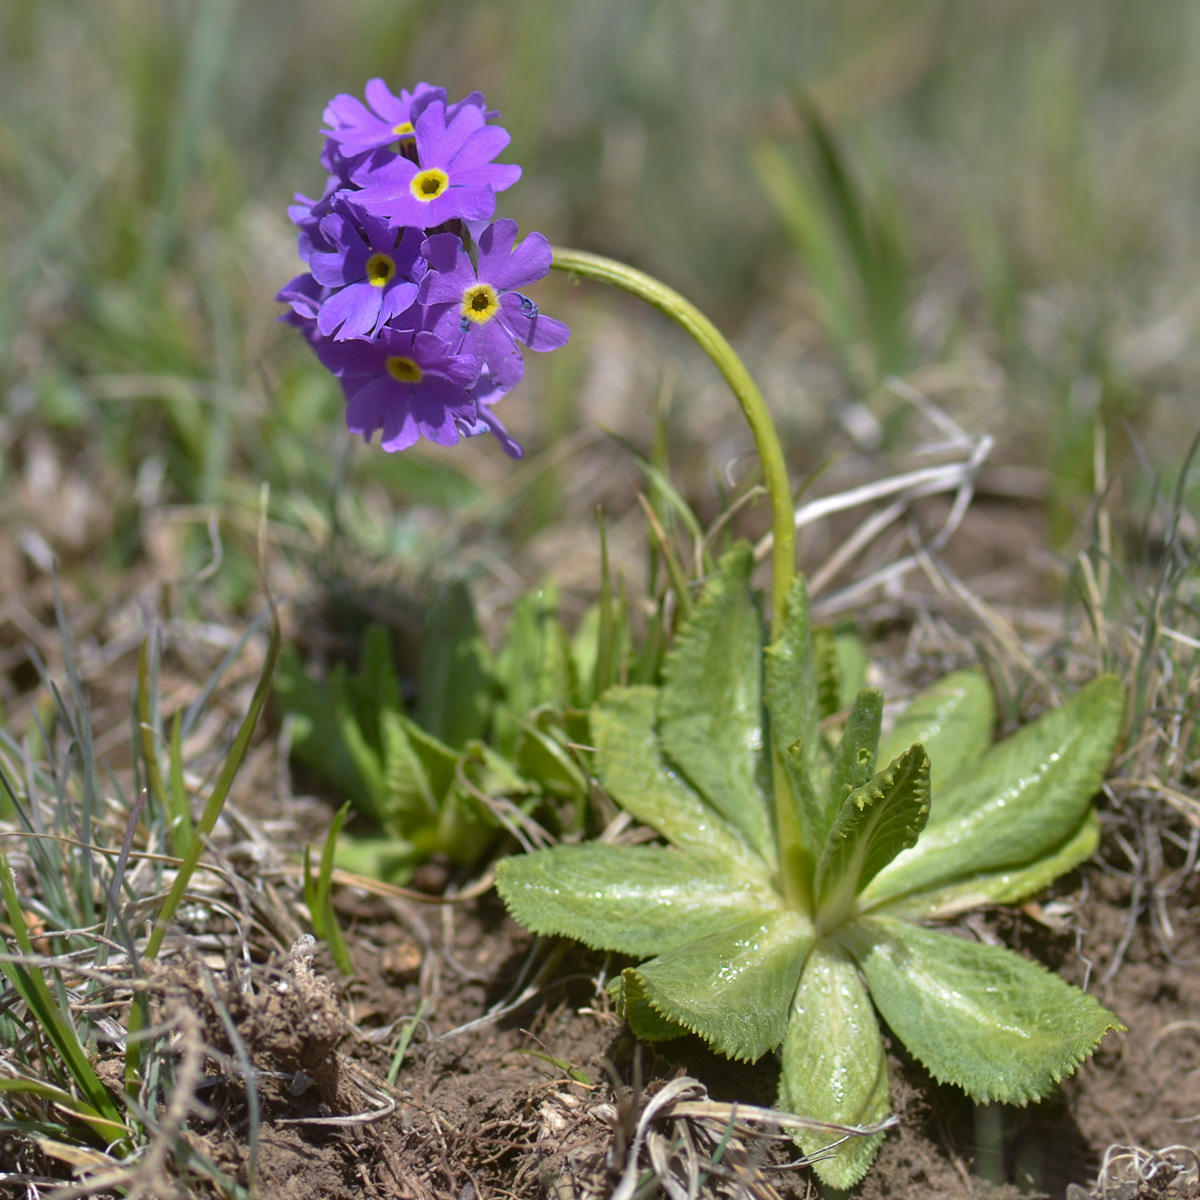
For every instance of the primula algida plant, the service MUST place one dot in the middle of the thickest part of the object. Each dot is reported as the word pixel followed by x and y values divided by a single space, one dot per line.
pixel 790 910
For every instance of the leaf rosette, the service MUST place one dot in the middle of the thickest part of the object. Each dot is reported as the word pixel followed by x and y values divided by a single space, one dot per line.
pixel 789 909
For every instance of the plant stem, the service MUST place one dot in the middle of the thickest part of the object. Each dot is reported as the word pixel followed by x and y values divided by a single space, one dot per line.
pixel 714 344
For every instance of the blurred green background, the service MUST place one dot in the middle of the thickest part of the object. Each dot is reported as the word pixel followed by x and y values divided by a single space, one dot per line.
pixel 1000 201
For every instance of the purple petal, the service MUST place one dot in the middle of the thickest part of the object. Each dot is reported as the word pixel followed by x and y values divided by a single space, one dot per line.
pixel 397 298
pixel 378 405
pixel 494 345
pixel 481 147
pixel 347 261
pixel 498 175
pixel 432 352
pixel 435 405
pixel 498 238
pixel 462 121
pixel 352 312
pixel 488 422
pixel 304 294
pixel 507 267
pixel 450 270
pixel 527 325
pixel 345 111
pixel 379 166
pixel 380 233
pixel 434 146
pixel 402 207
pixel 390 108
pixel 352 359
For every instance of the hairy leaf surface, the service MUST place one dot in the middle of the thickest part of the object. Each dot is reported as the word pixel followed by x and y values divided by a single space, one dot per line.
pixel 633 899
pixel 833 1062
pixel 953 720
pixel 790 686
pixel 631 767
pixel 1018 803
pixel 735 987
pixel 710 715
pixel 982 1017
pixel 632 1004
pixel 854 759
pixel 876 822
pixel 998 887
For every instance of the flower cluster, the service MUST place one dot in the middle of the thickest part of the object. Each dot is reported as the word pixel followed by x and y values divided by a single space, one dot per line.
pixel 412 296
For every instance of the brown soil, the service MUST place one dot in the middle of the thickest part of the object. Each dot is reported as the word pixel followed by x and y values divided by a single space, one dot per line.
pixel 542 1099
pixel 549 1096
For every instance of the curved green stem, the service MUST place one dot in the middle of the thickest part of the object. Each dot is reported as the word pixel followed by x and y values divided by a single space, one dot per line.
pixel 714 344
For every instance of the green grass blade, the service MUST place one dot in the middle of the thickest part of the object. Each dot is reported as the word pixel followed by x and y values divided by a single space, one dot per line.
pixel 606 670
pixel 72 1105
pixel 406 1035
pixel 147 674
pixel 179 811
pixel 216 801
pixel 319 896
pixel 34 991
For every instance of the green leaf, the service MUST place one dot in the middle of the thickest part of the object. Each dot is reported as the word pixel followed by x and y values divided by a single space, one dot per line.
pixel 851 656
pixel 362 745
pixel 492 773
pixel 854 759
pixel 876 822
pixel 636 900
pixel 534 665
pixel 791 674
pixel 631 768
pixel 406 794
pixel 981 1017
pixel 953 720
pixel 833 1065
pixel 710 716
pixel 1018 803
pixel 316 739
pixel 456 684
pixel 829 672
pixel 790 687
pixel 999 887
pixel 734 987
pixel 646 1024
pixel 388 857
pixel 435 761
pixel 541 755
pixel 376 688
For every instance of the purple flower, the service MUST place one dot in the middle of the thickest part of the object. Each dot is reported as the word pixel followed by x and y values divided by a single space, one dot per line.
pixel 373 273
pixel 340 166
pixel 357 128
pixel 305 295
pixel 423 339
pixel 405 382
pixel 485 393
pixel 453 175
pixel 485 316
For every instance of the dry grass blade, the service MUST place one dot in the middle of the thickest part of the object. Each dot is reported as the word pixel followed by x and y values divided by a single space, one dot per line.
pixel 690 1146
pixel 956 478
pixel 1130 1172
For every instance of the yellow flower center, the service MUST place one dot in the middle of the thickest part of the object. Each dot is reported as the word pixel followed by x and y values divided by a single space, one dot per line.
pixel 404 370
pixel 429 185
pixel 403 130
pixel 480 303
pixel 380 269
